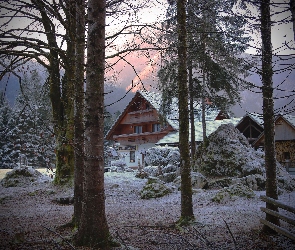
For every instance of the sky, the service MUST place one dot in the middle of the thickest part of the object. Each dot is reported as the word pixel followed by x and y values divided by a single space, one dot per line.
pixel 139 65
pixel 146 67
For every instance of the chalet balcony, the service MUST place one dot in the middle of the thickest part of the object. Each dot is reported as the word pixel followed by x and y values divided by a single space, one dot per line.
pixel 139 138
pixel 139 134
pixel 141 116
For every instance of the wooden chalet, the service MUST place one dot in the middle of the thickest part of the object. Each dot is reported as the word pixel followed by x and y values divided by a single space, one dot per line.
pixel 284 140
pixel 139 127
pixel 251 126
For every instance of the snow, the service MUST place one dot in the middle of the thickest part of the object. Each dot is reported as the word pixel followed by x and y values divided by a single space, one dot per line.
pixel 143 224
pixel 211 126
pixel 290 119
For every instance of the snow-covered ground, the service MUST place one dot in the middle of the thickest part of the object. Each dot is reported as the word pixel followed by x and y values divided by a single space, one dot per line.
pixel 26 212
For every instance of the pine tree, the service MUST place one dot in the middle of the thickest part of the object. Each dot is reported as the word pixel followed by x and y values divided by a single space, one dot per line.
pixel 7 128
pixel 216 42
pixel 29 129
pixel 268 113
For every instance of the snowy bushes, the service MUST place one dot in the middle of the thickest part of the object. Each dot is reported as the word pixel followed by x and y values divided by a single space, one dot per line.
pixel 162 162
pixel 154 188
pixel 22 176
pixel 118 165
pixel 236 190
pixel 228 153
pixel 162 156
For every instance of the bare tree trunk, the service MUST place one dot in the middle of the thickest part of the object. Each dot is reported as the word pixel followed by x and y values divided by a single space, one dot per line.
pixel 94 230
pixel 79 112
pixel 185 165
pixel 203 107
pixel 192 116
pixel 61 107
pixel 65 172
pixel 292 8
pixel 268 112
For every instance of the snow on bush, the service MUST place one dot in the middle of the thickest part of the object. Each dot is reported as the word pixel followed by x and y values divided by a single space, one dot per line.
pixel 154 188
pixel 232 191
pixel 162 156
pixel 162 162
pixel 23 176
pixel 228 153
pixel 118 165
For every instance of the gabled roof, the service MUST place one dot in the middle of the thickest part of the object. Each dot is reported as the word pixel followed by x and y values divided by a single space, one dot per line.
pixel 211 126
pixel 289 119
pixel 257 118
pixel 155 100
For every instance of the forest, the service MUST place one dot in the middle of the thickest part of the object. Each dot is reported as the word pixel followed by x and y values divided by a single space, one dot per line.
pixel 191 50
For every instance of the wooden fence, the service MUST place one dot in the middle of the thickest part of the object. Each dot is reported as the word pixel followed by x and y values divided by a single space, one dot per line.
pixel 288 219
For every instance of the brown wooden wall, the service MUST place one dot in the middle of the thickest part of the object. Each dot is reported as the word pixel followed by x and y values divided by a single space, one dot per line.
pixel 285 146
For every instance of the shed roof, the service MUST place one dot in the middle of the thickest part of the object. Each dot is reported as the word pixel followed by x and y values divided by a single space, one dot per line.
pixel 211 126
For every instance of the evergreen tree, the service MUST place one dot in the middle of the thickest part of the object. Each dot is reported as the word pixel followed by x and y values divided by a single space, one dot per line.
pixel 216 42
pixel 8 150
pixel 268 113
pixel 28 129
pixel 187 213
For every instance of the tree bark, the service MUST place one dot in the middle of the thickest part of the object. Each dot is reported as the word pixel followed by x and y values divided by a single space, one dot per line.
pixel 292 8
pixel 60 106
pixel 268 112
pixel 79 111
pixel 192 115
pixel 93 230
pixel 185 166
pixel 65 172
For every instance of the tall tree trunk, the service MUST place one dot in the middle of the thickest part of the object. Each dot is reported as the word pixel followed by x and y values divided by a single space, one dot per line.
pixel 268 111
pixel 93 230
pixel 203 107
pixel 191 104
pixel 65 172
pixel 79 112
pixel 64 150
pixel 185 165
pixel 292 8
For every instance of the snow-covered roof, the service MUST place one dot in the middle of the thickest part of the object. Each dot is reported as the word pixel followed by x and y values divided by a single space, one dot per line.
pixel 290 119
pixel 211 126
pixel 155 99
pixel 258 118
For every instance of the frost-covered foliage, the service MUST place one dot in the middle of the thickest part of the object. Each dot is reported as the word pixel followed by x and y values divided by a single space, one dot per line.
pixel 154 188
pixel 228 193
pixel 8 143
pixel 228 153
pixel 199 181
pixel 162 162
pixel 27 128
pixel 162 156
pixel 118 166
pixel 23 176
pixel 110 155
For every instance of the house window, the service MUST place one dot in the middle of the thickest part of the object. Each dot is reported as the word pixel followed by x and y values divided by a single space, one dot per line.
pixel 147 106
pixel 156 127
pixel 138 129
pixel 132 156
pixel 287 156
